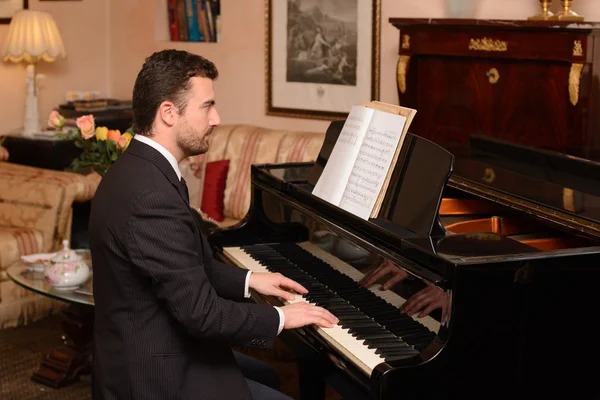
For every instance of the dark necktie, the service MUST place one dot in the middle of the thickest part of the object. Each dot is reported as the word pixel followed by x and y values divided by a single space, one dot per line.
pixel 183 189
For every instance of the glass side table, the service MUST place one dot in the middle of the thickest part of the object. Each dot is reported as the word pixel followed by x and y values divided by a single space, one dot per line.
pixel 62 365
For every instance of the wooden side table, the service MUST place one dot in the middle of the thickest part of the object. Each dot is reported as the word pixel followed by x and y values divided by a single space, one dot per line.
pixel 41 151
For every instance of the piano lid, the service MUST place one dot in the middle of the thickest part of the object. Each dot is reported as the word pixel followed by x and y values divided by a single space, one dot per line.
pixel 554 186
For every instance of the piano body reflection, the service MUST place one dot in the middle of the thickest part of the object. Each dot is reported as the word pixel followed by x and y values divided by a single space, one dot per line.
pixel 507 236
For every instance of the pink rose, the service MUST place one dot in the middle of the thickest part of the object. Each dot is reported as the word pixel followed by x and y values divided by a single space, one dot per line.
pixel 55 120
pixel 85 124
pixel 124 140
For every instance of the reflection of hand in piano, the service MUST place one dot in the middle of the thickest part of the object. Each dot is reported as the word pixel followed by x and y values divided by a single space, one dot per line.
pixel 423 302
pixel 426 300
pixel 387 268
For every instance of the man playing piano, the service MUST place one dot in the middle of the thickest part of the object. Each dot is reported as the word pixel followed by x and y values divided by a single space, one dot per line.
pixel 166 312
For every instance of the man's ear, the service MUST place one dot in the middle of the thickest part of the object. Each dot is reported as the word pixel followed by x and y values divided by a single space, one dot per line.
pixel 168 113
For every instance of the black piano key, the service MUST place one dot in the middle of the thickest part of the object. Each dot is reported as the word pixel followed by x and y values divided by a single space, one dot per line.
pixel 400 357
pixel 398 349
pixel 372 343
pixel 376 336
pixel 398 345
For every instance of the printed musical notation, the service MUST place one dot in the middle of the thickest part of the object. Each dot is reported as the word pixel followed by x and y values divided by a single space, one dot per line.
pixel 370 168
pixel 352 129
pixel 359 165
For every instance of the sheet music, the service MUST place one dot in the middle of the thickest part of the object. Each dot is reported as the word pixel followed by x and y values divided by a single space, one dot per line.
pixel 373 161
pixel 333 180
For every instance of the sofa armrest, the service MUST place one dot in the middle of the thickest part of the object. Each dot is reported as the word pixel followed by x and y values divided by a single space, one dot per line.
pixel 41 200
pixel 3 154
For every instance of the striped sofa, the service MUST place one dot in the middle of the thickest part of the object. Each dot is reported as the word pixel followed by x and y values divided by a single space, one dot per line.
pixel 35 216
pixel 244 145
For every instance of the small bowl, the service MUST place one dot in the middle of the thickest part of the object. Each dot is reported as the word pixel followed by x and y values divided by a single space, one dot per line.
pixel 37 262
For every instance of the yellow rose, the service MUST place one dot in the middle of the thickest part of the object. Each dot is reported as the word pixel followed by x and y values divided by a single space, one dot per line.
pixel 101 133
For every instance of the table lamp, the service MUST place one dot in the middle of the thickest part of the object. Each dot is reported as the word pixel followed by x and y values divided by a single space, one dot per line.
pixel 32 36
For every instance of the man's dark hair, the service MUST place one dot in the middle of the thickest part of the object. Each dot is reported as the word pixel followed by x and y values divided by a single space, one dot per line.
pixel 165 76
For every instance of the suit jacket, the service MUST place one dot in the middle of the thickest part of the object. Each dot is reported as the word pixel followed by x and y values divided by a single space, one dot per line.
pixel 166 312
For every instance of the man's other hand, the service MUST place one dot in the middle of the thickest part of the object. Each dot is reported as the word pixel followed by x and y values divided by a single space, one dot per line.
pixel 302 314
pixel 275 284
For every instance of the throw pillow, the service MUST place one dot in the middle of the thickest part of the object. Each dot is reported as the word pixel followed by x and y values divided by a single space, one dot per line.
pixel 215 178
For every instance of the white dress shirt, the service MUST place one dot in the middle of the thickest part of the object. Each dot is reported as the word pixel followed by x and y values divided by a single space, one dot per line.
pixel 173 161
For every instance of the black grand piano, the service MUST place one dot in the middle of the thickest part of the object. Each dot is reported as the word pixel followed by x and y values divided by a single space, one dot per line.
pixel 504 238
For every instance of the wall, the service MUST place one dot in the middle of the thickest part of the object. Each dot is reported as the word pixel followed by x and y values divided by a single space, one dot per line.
pixel 240 54
pixel 129 29
pixel 84 29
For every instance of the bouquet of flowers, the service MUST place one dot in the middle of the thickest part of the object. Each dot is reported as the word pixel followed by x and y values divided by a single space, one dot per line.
pixel 100 146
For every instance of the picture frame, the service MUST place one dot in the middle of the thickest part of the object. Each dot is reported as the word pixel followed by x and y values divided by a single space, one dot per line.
pixel 322 56
pixel 8 8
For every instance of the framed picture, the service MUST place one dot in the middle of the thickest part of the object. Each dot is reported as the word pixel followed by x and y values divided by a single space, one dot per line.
pixel 322 56
pixel 8 8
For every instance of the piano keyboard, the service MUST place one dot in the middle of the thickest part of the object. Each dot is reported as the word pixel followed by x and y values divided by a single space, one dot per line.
pixel 371 330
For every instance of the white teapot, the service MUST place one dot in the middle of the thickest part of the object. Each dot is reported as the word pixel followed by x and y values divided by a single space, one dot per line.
pixel 67 271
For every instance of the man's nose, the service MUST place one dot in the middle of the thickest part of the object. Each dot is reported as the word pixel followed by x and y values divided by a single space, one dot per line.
pixel 215 119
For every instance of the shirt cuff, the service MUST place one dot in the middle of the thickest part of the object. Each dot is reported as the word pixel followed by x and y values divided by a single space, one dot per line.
pixel 247 285
pixel 281 319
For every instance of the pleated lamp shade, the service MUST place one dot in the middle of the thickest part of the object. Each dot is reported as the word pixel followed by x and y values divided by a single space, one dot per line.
pixel 32 36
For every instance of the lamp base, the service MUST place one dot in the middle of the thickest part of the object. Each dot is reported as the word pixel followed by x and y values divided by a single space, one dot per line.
pixel 32 115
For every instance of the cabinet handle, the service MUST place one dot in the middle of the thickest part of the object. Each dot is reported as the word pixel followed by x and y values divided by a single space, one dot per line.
pixel 493 75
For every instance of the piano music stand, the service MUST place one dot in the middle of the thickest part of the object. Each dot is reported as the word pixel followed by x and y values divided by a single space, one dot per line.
pixel 416 187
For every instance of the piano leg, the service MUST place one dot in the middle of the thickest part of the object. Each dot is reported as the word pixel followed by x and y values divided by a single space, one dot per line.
pixel 312 384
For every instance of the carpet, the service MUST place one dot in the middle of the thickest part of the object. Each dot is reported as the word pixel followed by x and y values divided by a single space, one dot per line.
pixel 22 348
pixel 20 352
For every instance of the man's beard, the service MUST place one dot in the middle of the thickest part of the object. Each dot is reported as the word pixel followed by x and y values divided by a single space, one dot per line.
pixel 190 142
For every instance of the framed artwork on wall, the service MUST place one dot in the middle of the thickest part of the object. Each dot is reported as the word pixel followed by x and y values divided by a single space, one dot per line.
pixel 8 8
pixel 322 56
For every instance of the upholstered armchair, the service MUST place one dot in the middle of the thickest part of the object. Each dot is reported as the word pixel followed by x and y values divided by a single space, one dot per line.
pixel 35 216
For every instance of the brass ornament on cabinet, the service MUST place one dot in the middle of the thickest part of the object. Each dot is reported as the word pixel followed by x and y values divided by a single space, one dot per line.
pixel 566 14
pixel 493 75
pixel 568 197
pixel 545 14
pixel 489 176
pixel 406 42
pixel 577 49
pixel 401 72
pixel 486 44
pixel 574 81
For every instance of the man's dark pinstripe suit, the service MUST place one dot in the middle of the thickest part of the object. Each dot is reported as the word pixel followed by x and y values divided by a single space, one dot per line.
pixel 166 311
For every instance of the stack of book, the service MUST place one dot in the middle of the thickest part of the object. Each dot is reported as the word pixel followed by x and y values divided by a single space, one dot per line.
pixel 194 20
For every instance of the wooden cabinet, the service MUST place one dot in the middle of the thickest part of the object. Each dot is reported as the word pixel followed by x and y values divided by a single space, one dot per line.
pixel 530 82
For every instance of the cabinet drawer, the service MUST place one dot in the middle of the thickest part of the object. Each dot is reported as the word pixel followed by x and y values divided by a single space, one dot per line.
pixel 556 46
